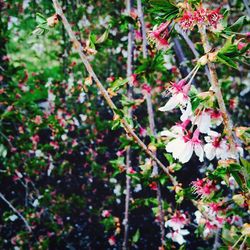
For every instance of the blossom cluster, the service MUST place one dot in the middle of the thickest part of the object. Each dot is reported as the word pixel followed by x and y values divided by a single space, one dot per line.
pixel 213 216
pixel 185 137
pixel 200 16
pixel 177 222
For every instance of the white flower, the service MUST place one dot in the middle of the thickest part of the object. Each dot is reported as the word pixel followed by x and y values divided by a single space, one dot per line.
pixel 64 137
pixel 216 147
pixel 117 190
pixel 82 97
pixel 35 203
pixel 83 117
pixel 182 147
pixel 137 188
pixel 76 122
pixel 177 236
pixel 180 96
pixel 39 153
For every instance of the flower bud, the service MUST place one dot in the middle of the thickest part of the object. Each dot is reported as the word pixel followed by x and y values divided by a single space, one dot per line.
pixel 203 60
pixel 212 57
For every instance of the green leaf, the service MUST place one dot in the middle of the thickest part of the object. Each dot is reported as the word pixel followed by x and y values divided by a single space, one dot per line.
pixel 226 60
pixel 164 9
pixel 116 124
pixel 103 37
pixel 229 47
pixel 238 179
pixel 177 167
pixel 116 85
pixel 40 19
pixel 3 151
pixel 169 157
pixel 245 164
pixel 237 26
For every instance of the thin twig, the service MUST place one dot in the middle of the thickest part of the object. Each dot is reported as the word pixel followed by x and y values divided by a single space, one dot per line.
pixel 17 212
pixel 129 130
pixel 143 28
pixel 216 88
pixel 128 150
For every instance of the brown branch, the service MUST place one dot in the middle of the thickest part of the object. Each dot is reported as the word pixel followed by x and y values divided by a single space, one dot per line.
pixel 129 130
pixel 216 88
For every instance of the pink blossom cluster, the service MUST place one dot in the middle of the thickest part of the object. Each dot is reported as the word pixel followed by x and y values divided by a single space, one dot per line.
pixel 212 217
pixel 200 16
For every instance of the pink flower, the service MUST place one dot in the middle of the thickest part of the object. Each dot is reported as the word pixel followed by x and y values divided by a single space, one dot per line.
pixel 176 130
pixel 214 17
pixel 142 132
pixel 112 240
pixel 54 144
pixel 203 187
pixel 160 36
pixel 35 139
pixel 180 96
pixel 146 88
pixel 241 45
pixel 216 117
pixel 187 20
pixel 178 221
pixel 37 120
pixel 138 36
pixel 106 213
pixel 200 15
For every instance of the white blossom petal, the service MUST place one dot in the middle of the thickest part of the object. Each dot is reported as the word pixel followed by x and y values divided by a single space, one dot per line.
pixel 171 104
pixel 199 152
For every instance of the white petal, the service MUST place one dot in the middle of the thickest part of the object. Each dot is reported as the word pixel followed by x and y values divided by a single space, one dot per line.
pixel 203 122
pixel 199 152
pixel 168 133
pixel 179 239
pixel 186 113
pixel 209 151
pixel 186 152
pixel 184 232
pixel 171 104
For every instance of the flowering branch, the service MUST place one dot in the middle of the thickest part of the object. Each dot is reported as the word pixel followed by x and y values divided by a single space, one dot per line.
pixel 104 92
pixel 17 212
pixel 216 88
